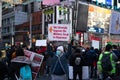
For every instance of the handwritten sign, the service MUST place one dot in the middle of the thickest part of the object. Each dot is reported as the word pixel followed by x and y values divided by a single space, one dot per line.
pixel 58 32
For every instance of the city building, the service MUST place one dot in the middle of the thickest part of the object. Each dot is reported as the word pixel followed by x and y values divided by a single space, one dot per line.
pixel 11 18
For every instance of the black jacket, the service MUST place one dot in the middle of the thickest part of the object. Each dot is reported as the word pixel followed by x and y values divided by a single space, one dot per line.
pixel 3 70
pixel 73 59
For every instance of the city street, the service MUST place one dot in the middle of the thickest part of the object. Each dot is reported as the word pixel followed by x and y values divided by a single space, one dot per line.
pixel 75 39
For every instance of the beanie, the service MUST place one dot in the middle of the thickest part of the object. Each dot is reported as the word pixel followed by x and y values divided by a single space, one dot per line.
pixel 60 48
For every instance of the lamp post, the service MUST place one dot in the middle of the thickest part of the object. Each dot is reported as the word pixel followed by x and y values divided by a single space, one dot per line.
pixel 30 16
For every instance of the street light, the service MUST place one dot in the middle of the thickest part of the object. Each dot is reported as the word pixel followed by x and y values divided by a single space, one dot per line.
pixel 30 15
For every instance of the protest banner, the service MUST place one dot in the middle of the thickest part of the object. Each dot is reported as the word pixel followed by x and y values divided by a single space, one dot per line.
pixel 41 43
pixel 36 61
pixel 58 32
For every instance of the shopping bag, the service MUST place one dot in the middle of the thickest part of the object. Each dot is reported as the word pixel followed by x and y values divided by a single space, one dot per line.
pixel 25 73
pixel 85 72
pixel 71 72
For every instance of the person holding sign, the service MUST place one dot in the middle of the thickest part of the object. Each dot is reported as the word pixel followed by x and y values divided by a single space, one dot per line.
pixel 59 65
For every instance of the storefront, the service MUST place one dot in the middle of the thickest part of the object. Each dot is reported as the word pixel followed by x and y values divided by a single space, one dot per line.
pixel 98 23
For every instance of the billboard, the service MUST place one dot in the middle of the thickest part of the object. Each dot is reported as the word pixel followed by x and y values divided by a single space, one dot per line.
pixel 99 18
pixel 82 17
pixel 115 23
pixel 50 2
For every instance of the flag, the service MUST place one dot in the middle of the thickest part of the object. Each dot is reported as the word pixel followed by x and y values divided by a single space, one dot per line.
pixel 50 2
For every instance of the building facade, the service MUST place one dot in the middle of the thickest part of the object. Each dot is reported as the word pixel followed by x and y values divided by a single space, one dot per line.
pixel 11 18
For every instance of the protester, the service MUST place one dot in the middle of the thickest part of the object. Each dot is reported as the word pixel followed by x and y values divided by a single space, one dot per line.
pixel 77 63
pixel 3 68
pixel 116 51
pixel 14 68
pixel 59 64
pixel 109 55
pixel 9 54
pixel 91 61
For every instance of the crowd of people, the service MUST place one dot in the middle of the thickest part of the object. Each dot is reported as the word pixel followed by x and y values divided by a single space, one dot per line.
pixel 58 58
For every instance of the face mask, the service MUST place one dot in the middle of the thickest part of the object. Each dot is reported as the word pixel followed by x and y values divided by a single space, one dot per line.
pixel 58 52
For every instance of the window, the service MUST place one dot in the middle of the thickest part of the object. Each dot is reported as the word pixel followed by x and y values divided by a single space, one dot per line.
pixel 25 8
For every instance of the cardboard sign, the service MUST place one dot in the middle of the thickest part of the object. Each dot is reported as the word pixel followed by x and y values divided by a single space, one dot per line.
pixel 95 44
pixel 41 43
pixel 36 61
pixel 58 32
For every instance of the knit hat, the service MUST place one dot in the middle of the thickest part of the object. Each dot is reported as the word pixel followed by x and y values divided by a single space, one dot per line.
pixel 110 43
pixel 60 48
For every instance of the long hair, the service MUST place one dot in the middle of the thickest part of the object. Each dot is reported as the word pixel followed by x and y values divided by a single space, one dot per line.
pixel 19 52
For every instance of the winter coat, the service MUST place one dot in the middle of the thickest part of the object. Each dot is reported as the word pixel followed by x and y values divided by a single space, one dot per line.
pixel 63 59
pixel 112 60
pixel 3 70
pixel 73 61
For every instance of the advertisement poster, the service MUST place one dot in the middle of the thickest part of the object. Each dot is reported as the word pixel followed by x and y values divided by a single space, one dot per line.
pixel 58 32
pixel 99 17
pixel 115 23
pixel 50 2
pixel 36 61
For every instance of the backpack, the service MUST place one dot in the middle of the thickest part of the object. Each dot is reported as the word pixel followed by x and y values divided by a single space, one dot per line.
pixel 25 73
pixel 106 62
pixel 77 60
